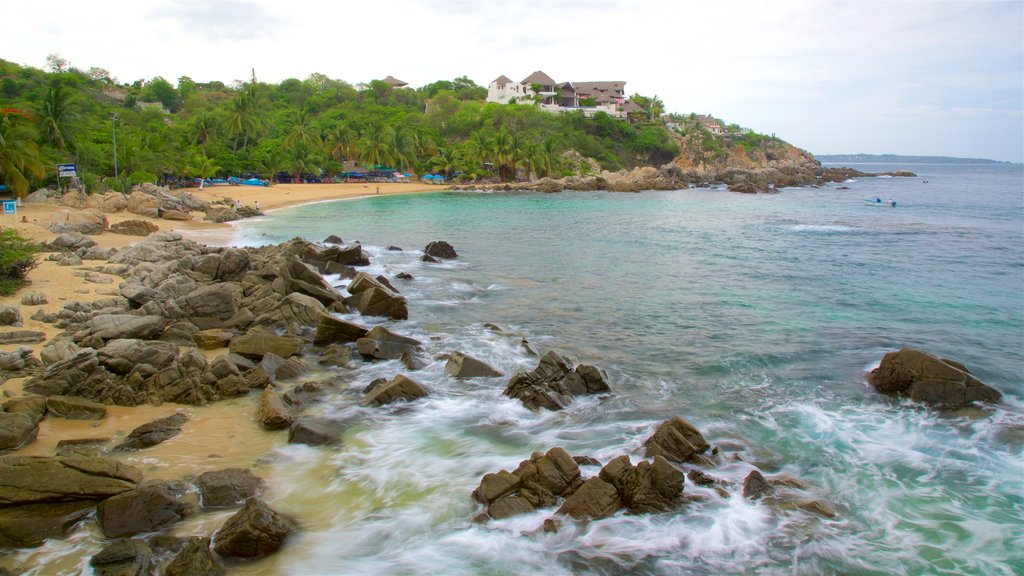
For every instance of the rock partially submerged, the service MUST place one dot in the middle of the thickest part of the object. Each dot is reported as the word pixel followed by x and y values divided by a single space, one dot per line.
pixel 554 383
pixel 926 378
pixel 254 532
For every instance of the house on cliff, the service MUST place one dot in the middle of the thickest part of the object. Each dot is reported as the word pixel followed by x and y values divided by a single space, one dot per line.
pixel 589 97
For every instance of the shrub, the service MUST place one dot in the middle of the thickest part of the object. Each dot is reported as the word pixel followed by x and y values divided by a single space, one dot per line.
pixel 17 258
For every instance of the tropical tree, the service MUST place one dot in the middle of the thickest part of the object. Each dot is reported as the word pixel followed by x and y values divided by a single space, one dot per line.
pixel 376 147
pixel 19 153
pixel 201 128
pixel 341 142
pixel 244 120
pixel 202 167
pixel 301 159
pixel 54 113
pixel 446 161
pixel 300 130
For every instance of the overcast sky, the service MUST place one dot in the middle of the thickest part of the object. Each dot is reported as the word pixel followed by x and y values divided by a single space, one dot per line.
pixel 893 76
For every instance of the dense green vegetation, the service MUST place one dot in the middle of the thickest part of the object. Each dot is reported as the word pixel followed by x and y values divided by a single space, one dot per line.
pixel 310 126
pixel 17 258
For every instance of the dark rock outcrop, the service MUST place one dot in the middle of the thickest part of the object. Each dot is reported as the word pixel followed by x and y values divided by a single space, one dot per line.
pixel 228 487
pixel 536 483
pixel 28 526
pixel 461 365
pixel 37 479
pixel 195 559
pixel 554 383
pixel 17 430
pixel 74 408
pixel 153 433
pixel 254 532
pixel 440 249
pixel 926 378
pixel 123 558
pixel 400 387
pixel 271 413
pixel 383 344
pixel 146 508
pixel 676 440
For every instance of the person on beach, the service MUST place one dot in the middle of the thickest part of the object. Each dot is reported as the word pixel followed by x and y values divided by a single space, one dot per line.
pixel 257 205
pixel 238 204
pixel 378 189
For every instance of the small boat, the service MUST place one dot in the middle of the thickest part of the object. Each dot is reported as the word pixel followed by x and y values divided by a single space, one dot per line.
pixel 886 204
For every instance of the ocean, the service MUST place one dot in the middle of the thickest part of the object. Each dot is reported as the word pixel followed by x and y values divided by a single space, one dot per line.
pixel 755 317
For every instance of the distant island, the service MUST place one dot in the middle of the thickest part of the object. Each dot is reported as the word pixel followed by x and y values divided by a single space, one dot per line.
pixel 899 159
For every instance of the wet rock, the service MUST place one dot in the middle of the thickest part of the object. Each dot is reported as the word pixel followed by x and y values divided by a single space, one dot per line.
pixel 17 430
pixel 330 330
pixel 413 361
pixel 31 404
pixel 213 338
pixel 123 558
pixel 535 483
pixel 930 379
pixel 379 301
pixel 383 344
pixel 335 356
pixel 700 478
pixel 82 447
pixel 228 487
pixel 30 525
pixel 36 479
pixel 430 259
pixel 271 413
pixel 154 432
pixel 75 408
pixel 282 368
pixel 195 559
pixel 333 239
pixel 755 485
pixel 461 365
pixel 554 383
pixel 312 433
pixel 586 461
pixel 647 487
pixel 676 440
pixel 254 532
pixel 144 509
pixel 400 387
pixel 594 499
pixel 440 249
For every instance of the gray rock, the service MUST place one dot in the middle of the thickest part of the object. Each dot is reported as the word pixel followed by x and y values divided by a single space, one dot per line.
pixel 460 365
pixel 17 430
pixel 20 362
pixel 36 479
pixel 383 344
pixel 123 558
pixel 930 379
pixel 255 344
pixel 676 440
pixel 755 485
pixel 228 487
pixel 144 509
pixel 111 326
pixel 88 221
pixel 153 433
pixel 440 249
pixel 75 408
pixel 21 337
pixel 31 525
pixel 10 316
pixel 195 559
pixel 134 228
pixel 34 299
pixel 400 387
pixel 70 242
pixel 254 532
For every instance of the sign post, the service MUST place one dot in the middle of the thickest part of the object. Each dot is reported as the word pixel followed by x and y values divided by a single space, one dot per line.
pixel 65 171
pixel 9 207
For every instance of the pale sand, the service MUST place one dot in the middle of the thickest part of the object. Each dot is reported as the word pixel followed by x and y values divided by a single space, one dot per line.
pixel 204 435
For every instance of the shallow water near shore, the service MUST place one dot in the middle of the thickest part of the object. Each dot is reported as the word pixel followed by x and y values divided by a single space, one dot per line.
pixel 753 317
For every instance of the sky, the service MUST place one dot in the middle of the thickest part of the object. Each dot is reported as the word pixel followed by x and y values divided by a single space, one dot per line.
pixel 895 76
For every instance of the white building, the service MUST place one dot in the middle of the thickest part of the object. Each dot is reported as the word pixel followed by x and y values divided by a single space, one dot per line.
pixel 590 97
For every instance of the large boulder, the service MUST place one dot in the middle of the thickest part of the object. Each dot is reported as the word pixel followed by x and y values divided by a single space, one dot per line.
pixel 10 316
pixel 111 326
pixel 70 242
pixel 133 228
pixel 110 202
pixel 20 362
pixel 254 532
pixel 88 221
pixel 256 343
pixel 383 344
pixel 75 408
pixel 123 558
pixel 930 379
pixel 153 433
pixel 228 487
pixel 30 525
pixel 554 383
pixel 330 330
pixel 379 301
pixel 676 440
pixel 195 559
pixel 461 365
pixel 17 430
pixel 122 355
pixel 31 404
pixel 440 249
pixel 35 479
pixel 271 412
pixel 400 387
pixel 536 483
pixel 143 204
pixel 144 509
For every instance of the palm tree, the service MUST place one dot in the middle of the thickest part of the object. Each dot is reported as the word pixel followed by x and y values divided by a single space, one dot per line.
pixel 301 159
pixel 202 167
pixel 476 149
pixel 377 144
pixel 19 153
pixel 446 161
pixel 300 130
pixel 341 141
pixel 54 113
pixel 503 154
pixel 201 128
pixel 244 120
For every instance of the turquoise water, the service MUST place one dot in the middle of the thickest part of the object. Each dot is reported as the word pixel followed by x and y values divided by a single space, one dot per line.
pixel 754 317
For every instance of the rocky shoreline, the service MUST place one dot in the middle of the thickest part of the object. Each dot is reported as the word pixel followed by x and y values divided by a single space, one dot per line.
pixel 193 324
pixel 673 177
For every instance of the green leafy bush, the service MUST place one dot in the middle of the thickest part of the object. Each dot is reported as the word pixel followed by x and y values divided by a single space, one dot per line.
pixel 17 258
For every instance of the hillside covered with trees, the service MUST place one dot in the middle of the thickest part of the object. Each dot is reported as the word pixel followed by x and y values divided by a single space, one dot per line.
pixel 299 127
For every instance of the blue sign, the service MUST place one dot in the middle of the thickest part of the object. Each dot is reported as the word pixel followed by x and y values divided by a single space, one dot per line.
pixel 10 207
pixel 67 170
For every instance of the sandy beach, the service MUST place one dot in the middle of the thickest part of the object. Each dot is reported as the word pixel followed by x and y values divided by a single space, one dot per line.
pixel 63 284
